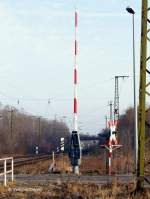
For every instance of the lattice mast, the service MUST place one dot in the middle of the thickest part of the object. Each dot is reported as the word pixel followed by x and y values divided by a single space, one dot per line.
pixel 116 98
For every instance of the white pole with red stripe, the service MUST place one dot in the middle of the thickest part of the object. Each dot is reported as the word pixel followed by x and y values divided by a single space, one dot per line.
pixel 75 123
pixel 75 152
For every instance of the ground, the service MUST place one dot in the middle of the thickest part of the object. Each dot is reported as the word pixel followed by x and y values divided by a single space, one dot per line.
pixel 71 191
pixel 90 165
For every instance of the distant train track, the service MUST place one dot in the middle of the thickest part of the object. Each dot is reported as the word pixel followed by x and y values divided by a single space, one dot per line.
pixel 21 160
pixel 22 155
pixel 30 159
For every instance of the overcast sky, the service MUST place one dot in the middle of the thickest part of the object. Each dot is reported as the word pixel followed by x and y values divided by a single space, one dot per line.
pixel 37 57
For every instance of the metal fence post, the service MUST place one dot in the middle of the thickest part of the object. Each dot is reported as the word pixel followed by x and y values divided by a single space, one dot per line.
pixel 5 183
pixel 12 167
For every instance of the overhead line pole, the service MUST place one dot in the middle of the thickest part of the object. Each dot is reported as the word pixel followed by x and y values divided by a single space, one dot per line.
pixel 111 111
pixel 142 93
pixel 11 122
pixel 116 98
pixel 39 135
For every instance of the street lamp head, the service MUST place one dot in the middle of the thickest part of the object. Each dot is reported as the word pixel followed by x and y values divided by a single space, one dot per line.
pixel 130 10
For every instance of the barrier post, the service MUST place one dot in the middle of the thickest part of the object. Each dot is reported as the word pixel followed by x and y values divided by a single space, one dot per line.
pixel 12 167
pixel 5 180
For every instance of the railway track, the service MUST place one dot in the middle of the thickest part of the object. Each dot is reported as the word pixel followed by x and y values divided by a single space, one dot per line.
pixel 51 178
pixel 26 159
pixel 30 160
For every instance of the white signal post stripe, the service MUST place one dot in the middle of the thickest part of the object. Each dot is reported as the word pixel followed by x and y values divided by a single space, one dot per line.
pixel 110 160
pixel 62 144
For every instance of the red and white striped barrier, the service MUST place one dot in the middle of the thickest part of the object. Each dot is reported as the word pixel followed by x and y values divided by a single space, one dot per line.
pixel 75 125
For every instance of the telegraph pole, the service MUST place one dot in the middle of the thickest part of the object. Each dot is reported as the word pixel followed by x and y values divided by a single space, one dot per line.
pixel 39 135
pixel 11 123
pixel 11 127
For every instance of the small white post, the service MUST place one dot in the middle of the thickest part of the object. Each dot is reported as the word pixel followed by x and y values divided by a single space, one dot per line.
pixel 110 158
pixel 12 167
pixel 37 150
pixel 5 183
pixel 53 155
pixel 62 150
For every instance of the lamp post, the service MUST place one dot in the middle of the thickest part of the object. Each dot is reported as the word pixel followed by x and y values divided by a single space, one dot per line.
pixel 132 12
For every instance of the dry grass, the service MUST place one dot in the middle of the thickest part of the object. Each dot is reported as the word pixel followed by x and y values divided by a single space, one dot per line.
pixel 123 165
pixel 41 167
pixel 90 165
pixel 97 165
pixel 71 191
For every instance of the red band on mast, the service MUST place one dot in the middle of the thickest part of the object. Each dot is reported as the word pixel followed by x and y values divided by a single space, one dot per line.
pixel 75 76
pixel 75 105
pixel 76 19
pixel 109 154
pixel 75 47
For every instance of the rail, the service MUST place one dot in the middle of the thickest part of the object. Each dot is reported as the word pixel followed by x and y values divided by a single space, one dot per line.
pixel 7 171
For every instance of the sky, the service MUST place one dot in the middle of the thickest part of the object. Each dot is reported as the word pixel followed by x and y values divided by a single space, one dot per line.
pixel 37 57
